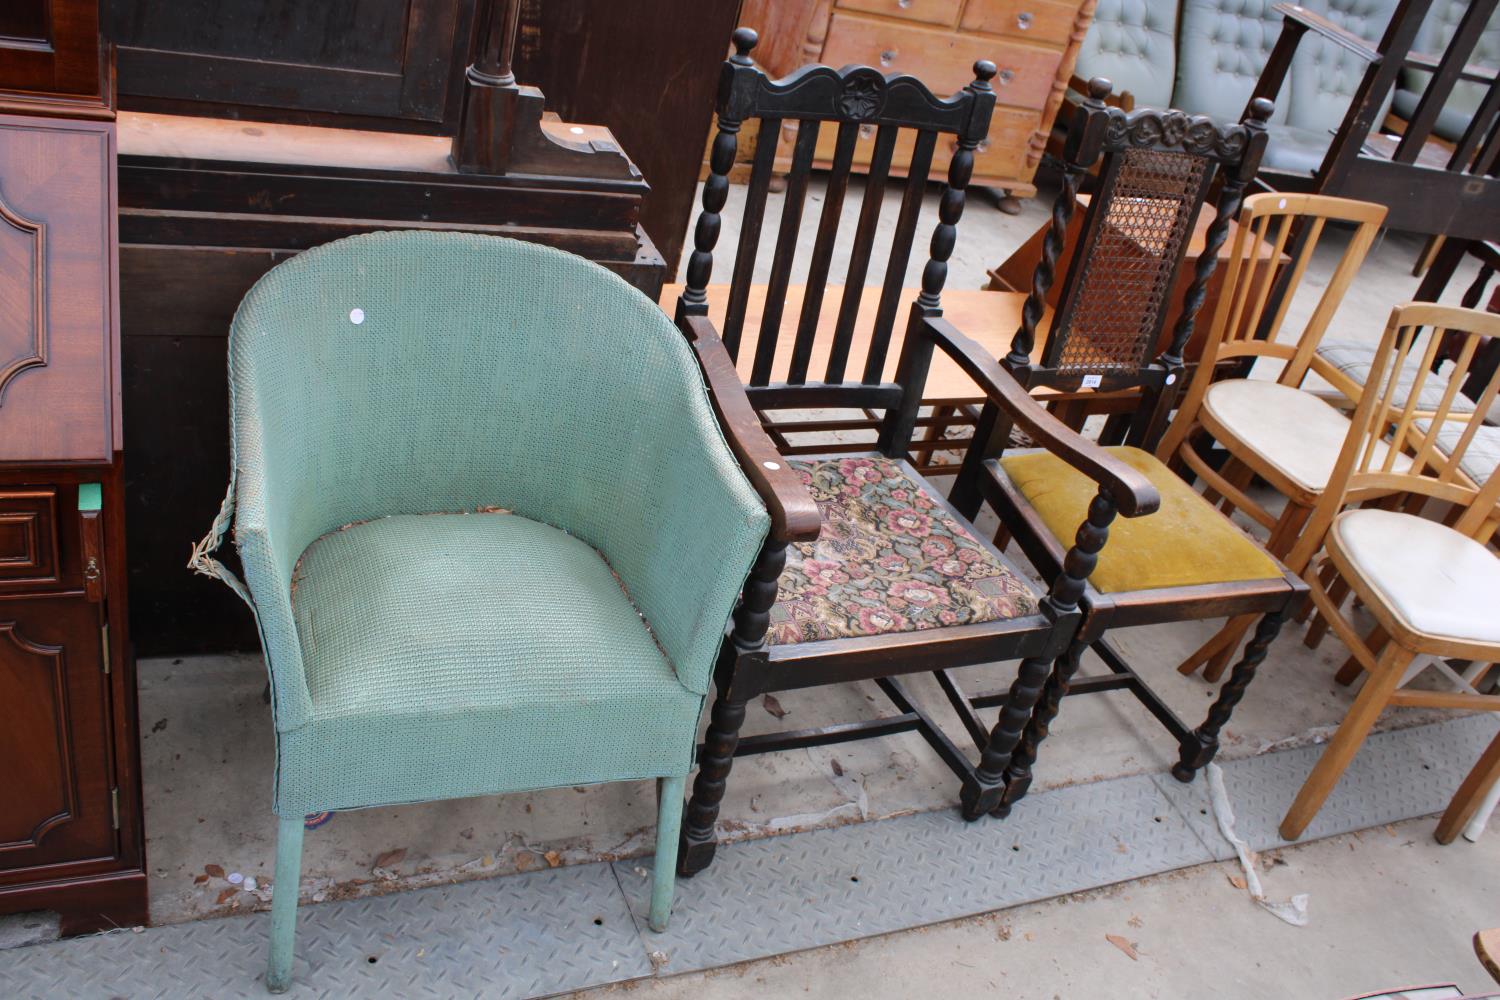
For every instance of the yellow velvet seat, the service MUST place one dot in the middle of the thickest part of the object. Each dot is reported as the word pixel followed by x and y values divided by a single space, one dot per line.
pixel 1187 541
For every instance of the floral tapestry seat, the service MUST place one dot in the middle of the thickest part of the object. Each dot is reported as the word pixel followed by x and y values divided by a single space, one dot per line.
pixel 891 558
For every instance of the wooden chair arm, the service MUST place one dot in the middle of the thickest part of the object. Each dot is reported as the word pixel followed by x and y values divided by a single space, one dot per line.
pixel 1131 491
pixel 794 514
pixel 1343 38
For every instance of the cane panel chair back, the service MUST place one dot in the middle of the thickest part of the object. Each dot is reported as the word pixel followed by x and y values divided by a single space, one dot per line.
pixel 803 371
pixel 1156 169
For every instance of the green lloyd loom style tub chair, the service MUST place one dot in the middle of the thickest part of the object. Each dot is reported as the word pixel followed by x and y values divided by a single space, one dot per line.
pixel 490 529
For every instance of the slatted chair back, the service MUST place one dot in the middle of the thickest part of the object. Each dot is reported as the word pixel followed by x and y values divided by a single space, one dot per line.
pixel 851 101
pixel 1402 442
pixel 1273 219
pixel 1155 170
pixel 1255 297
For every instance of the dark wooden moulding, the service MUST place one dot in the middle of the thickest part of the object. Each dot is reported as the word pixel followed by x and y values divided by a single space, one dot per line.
pixel 71 837
pixel 202 219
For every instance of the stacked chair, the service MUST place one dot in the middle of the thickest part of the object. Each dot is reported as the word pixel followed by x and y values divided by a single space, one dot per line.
pixel 1431 584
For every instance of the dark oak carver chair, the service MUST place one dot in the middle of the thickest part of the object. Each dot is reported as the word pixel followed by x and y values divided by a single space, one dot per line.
pixel 1186 561
pixel 873 575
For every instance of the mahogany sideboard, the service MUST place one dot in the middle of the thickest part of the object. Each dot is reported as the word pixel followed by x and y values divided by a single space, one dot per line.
pixel 71 837
pixel 215 193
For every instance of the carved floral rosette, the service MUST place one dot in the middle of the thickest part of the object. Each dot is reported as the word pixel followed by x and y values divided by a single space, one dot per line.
pixel 1175 130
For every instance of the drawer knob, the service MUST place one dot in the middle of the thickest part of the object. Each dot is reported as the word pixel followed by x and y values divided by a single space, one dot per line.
pixel 1007 75
pixel 887 56
pixel 1023 20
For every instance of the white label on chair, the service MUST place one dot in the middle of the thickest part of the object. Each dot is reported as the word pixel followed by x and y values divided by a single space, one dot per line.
pixel 1281 203
pixel 773 466
pixel 356 316
pixel 1093 381
pixel 1171 379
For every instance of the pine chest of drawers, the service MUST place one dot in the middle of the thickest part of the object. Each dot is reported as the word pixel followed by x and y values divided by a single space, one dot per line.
pixel 1034 43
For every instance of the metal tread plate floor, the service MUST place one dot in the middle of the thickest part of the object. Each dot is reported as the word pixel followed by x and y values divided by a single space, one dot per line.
pixel 552 931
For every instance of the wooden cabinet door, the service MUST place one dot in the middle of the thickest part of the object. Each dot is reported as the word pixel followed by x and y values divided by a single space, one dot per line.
pixel 50 47
pixel 56 776
pixel 391 59
pixel 57 294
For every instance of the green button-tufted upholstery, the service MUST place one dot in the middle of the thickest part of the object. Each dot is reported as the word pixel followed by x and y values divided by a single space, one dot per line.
pixel 489 525
pixel 1133 43
pixel 1211 53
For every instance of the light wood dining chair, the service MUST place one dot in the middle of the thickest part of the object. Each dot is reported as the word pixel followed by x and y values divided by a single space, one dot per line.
pixel 1476 792
pixel 1281 431
pixel 1431 586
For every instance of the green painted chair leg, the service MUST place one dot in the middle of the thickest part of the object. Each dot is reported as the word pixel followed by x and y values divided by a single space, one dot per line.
pixel 668 825
pixel 284 903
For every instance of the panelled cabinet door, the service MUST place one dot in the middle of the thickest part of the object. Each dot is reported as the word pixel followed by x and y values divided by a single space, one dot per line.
pixel 57 294
pixel 50 47
pixel 55 741
pixel 391 59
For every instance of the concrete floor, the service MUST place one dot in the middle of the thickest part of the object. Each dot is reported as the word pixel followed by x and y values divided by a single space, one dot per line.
pixel 207 744
pixel 1389 908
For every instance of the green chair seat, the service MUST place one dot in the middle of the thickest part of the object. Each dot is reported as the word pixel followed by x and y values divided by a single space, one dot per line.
pixel 443 651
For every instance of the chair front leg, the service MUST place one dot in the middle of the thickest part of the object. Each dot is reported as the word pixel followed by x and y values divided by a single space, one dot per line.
pixel 1203 743
pixel 695 850
pixel 1036 678
pixel 1018 772
pixel 982 792
pixel 1368 704
pixel 1477 791
pixel 743 649
pixel 668 826
pixel 284 894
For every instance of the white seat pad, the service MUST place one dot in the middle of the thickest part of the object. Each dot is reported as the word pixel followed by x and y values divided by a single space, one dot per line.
pixel 1434 579
pixel 1293 431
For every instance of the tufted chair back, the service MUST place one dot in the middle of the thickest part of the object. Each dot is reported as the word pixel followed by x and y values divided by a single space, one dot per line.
pixel 1206 57
pixel 1325 76
pixel 1133 44
pixel 1222 46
